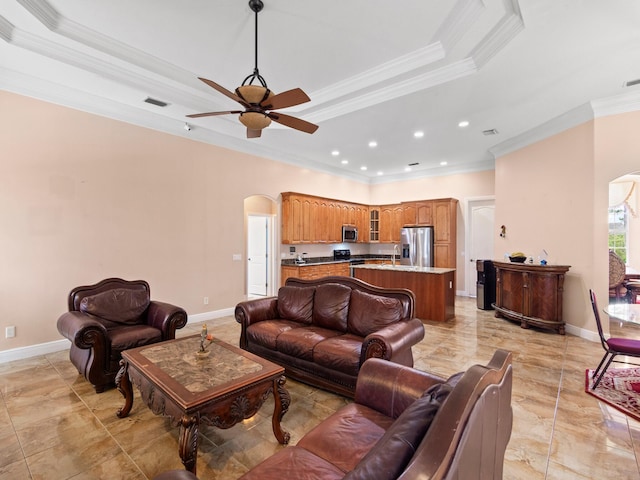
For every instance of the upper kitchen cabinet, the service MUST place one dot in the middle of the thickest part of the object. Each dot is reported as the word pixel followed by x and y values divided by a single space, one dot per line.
pixel 310 219
pixel 424 213
pixel 391 221
pixel 408 213
pixel 417 213
pixel 374 224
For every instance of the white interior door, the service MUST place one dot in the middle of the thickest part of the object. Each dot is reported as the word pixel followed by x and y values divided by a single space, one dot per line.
pixel 258 236
pixel 481 235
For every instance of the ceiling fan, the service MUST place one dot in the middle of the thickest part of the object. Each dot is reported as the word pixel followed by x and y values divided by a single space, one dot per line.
pixel 258 101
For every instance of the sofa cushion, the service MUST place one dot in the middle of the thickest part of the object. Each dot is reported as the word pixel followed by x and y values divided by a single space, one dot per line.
pixel 266 332
pixel 341 353
pixel 132 336
pixel 296 303
pixel 346 436
pixel 293 463
pixel 301 342
pixel 389 457
pixel 122 305
pixel 369 313
pixel 331 306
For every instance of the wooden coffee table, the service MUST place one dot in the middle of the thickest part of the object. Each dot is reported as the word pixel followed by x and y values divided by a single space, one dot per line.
pixel 228 386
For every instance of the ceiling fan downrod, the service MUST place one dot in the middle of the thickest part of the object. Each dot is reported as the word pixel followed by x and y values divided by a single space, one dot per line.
pixel 256 6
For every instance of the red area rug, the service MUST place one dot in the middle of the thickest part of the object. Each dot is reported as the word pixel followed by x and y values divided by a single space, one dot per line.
pixel 620 388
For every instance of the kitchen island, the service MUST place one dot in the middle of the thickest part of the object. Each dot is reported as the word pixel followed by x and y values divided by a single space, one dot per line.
pixel 434 288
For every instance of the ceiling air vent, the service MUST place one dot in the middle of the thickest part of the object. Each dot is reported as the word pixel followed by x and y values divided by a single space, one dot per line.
pixel 157 103
pixel 414 164
pixel 631 83
pixel 492 131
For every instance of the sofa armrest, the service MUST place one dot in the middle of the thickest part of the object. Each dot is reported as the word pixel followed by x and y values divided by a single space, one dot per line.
pixel 84 330
pixel 392 339
pixel 252 311
pixel 166 318
pixel 389 388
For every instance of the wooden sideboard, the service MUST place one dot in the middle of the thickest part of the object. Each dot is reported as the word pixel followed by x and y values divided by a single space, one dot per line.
pixel 530 294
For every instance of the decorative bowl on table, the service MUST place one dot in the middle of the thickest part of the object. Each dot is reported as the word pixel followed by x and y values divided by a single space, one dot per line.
pixel 518 259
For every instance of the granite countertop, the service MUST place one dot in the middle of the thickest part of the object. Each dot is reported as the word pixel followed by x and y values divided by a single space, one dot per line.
pixel 406 268
pixel 327 260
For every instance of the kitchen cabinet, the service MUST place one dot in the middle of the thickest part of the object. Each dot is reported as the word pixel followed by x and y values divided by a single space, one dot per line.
pixel 530 294
pixel 424 213
pixel 310 219
pixel 445 232
pixel 374 224
pixel 391 221
pixel 408 213
pixel 317 270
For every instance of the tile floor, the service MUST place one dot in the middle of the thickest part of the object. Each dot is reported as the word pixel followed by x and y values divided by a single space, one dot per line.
pixel 53 425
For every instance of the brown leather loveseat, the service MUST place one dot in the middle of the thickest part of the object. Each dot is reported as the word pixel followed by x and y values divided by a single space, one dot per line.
pixel 111 316
pixel 404 424
pixel 323 330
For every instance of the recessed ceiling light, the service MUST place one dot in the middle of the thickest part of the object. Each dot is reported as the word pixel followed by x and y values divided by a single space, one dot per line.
pixel 335 153
pixel 407 169
pixel 418 134
pixel 344 162
pixel 373 143
pixel 363 168
pixel 380 173
pixel 443 163
pixel 464 123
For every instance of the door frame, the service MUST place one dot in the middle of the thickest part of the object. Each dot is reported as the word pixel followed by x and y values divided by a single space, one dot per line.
pixel 469 269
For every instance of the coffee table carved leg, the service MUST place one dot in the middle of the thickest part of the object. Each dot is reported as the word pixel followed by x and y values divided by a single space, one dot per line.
pixel 282 402
pixel 188 441
pixel 123 384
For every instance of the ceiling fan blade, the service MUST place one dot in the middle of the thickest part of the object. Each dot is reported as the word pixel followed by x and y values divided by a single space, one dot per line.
pixel 253 133
pixel 211 114
pixel 293 122
pixel 285 99
pixel 224 91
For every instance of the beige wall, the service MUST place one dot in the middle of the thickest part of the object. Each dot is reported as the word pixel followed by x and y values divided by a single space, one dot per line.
pixel 554 195
pixel 84 197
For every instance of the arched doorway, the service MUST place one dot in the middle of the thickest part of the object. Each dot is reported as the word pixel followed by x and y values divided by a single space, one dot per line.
pixel 260 214
pixel 624 227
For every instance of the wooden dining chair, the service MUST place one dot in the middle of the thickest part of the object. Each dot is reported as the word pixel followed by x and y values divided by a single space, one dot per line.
pixel 613 346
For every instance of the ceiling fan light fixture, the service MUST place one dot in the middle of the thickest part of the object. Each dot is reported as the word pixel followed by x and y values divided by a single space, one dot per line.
pixel 255 120
pixel 254 94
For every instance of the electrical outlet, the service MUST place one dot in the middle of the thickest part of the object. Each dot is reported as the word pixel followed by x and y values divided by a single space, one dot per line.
pixel 10 332
pixel 206 300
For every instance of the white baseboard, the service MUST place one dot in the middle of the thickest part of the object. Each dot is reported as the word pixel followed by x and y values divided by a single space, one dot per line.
pixel 29 351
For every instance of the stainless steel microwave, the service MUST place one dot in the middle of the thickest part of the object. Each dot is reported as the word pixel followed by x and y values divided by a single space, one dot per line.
pixel 349 233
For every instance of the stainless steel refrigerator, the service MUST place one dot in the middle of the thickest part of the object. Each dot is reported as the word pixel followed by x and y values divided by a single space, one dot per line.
pixel 416 246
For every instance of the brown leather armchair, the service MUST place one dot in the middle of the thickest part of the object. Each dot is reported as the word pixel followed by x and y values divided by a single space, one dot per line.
pixel 111 316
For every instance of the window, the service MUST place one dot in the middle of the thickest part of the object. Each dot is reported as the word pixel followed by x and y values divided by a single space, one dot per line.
pixel 618 231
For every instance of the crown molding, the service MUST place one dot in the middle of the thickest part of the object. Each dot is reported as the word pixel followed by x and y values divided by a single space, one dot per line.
pixel 426 80
pixel 547 129
pixel 6 29
pixel 623 103
pixel 500 35
pixel 468 167
pixel 386 71
pixel 462 16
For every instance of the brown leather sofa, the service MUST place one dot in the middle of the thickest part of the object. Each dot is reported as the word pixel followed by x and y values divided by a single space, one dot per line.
pixel 323 330
pixel 404 424
pixel 111 316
